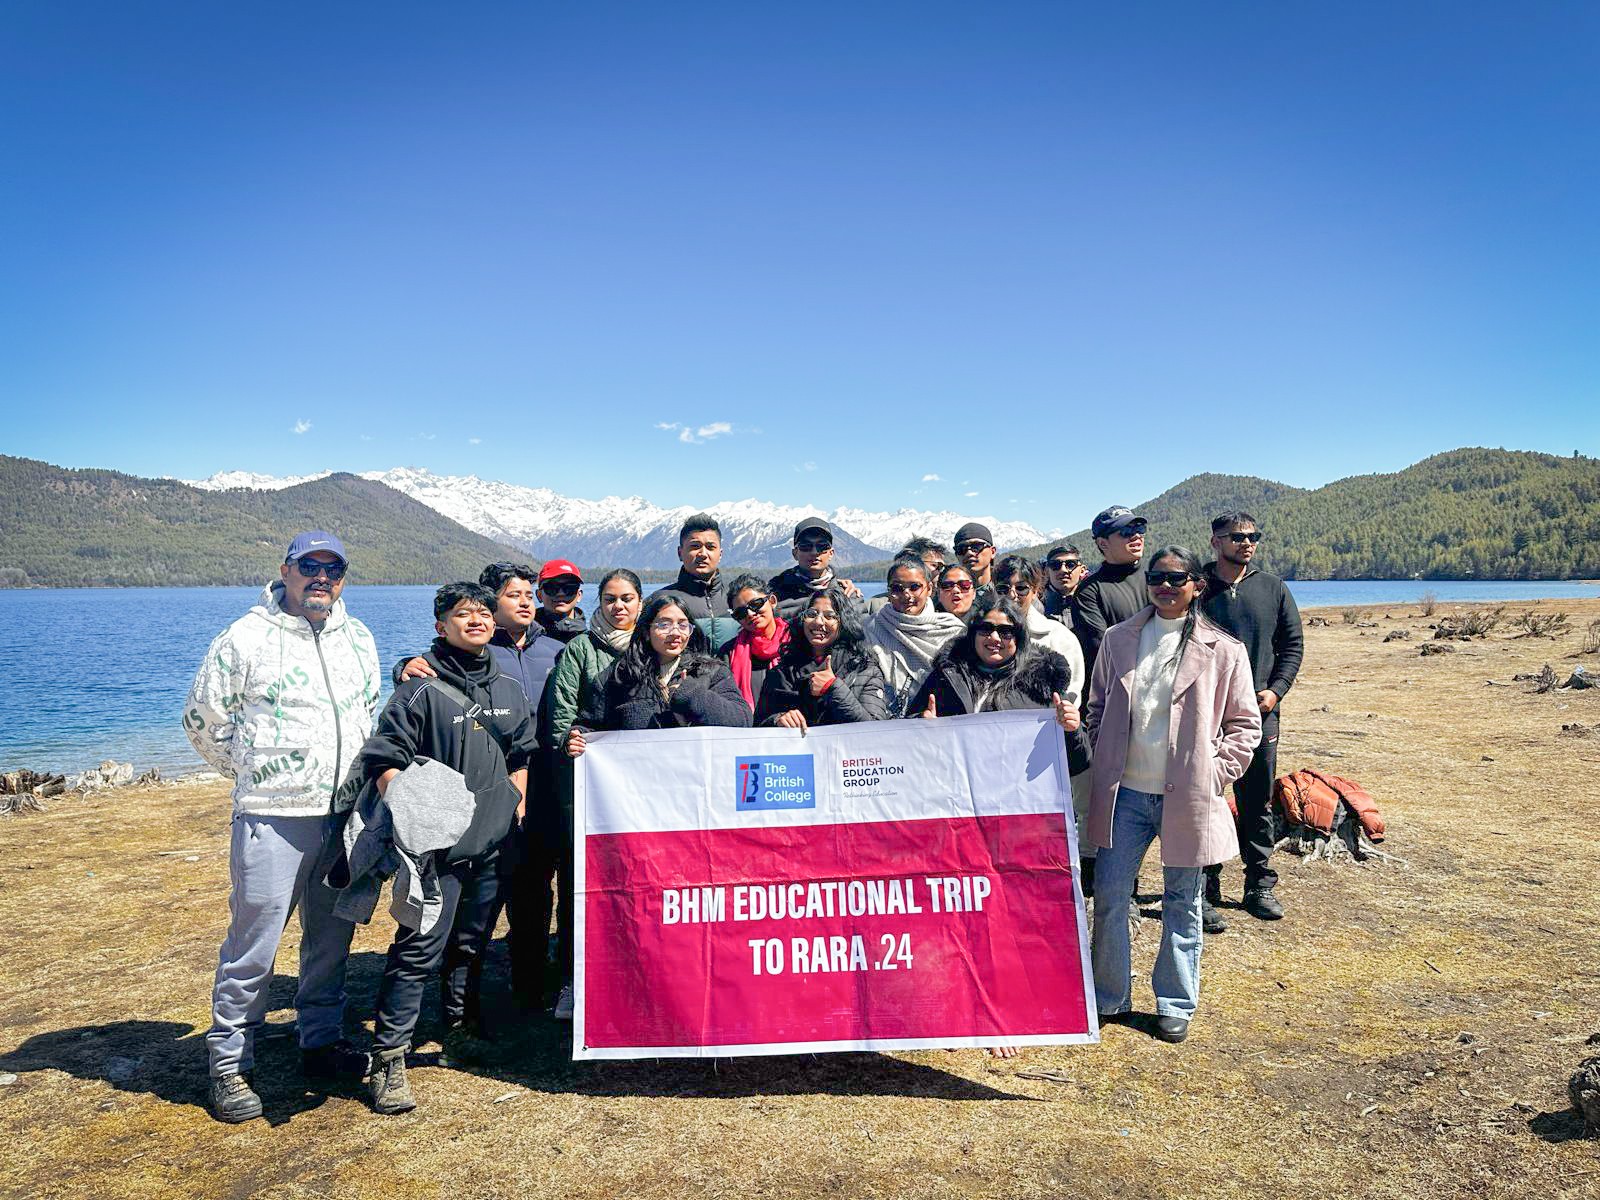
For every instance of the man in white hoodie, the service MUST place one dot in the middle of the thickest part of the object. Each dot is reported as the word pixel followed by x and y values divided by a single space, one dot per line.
pixel 281 705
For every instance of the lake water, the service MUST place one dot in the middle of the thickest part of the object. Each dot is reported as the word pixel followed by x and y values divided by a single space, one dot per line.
pixel 70 701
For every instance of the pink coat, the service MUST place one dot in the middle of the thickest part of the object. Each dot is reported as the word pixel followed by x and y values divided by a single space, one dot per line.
pixel 1216 724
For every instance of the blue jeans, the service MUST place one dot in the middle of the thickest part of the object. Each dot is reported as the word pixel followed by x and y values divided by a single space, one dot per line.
pixel 1135 823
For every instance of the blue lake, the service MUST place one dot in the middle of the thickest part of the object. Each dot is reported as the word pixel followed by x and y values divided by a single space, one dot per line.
pixel 69 701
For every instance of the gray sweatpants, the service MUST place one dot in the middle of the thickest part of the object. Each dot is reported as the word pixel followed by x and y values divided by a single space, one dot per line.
pixel 270 864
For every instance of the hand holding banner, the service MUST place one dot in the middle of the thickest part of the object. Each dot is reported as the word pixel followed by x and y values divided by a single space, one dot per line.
pixel 885 885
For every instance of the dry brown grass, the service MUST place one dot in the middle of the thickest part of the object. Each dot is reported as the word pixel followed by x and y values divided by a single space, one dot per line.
pixel 1402 1034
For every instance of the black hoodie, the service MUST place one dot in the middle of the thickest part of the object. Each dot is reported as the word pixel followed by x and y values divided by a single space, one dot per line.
pixel 421 722
pixel 1260 612
pixel 1108 597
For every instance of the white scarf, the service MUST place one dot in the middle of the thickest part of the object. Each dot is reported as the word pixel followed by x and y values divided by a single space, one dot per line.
pixel 608 633
pixel 905 645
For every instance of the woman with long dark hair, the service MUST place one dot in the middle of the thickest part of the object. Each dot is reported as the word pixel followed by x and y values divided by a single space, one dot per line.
pixel 1174 721
pixel 825 675
pixel 955 590
pixel 665 679
pixel 761 637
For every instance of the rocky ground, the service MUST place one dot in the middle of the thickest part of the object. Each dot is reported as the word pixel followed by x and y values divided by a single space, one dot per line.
pixel 1407 1031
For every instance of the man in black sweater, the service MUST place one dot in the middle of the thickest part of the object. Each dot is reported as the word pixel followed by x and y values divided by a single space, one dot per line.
pixel 1256 608
pixel 1116 589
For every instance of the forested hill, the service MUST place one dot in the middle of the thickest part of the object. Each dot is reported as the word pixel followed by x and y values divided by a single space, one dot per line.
pixel 1465 514
pixel 66 528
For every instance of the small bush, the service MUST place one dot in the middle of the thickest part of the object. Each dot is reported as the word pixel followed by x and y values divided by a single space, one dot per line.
pixel 1350 616
pixel 1545 680
pixel 1591 638
pixel 1429 602
pixel 1534 624
pixel 1476 623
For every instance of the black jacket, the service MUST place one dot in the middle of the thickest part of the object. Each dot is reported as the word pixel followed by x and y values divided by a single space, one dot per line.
pixel 485 747
pixel 1029 681
pixel 1108 597
pixel 705 605
pixel 703 693
pixel 1260 612
pixel 794 589
pixel 562 629
pixel 857 693
pixel 1056 606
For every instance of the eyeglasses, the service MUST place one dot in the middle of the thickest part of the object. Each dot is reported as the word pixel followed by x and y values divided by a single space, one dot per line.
pixel 750 607
pixel 1171 578
pixel 1239 539
pixel 808 546
pixel 311 568
pixel 900 589
pixel 666 625
pixel 956 585
pixel 1006 633
pixel 1129 532
pixel 826 615
pixel 1016 590
pixel 976 546
pixel 1064 564
pixel 561 591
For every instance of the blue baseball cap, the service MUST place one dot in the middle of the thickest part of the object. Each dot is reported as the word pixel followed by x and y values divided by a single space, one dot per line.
pixel 312 541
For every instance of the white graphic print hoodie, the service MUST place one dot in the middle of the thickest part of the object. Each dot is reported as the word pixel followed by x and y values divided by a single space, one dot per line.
pixel 284 709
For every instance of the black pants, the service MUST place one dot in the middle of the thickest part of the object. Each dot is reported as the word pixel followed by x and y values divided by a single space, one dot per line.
pixel 1252 793
pixel 467 899
pixel 546 858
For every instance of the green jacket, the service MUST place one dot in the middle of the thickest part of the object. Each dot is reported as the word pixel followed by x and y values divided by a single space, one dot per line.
pixel 570 684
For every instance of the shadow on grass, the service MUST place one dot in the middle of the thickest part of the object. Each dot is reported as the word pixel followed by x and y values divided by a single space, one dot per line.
pixel 168 1059
pixel 1564 1125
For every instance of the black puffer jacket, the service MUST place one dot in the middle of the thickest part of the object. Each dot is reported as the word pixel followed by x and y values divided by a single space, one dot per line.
pixel 794 590
pixel 1028 681
pixel 702 693
pixel 857 693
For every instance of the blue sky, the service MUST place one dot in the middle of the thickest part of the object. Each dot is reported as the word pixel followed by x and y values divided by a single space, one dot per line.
pixel 1055 255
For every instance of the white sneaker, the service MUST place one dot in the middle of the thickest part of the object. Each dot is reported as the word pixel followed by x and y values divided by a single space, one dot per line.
pixel 563 1008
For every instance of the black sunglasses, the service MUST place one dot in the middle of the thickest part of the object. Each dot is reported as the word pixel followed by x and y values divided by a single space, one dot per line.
pixel 1129 532
pixel 900 589
pixel 1006 633
pixel 310 568
pixel 1239 539
pixel 1065 564
pixel 810 547
pixel 750 608
pixel 1171 578
pixel 560 590
pixel 973 547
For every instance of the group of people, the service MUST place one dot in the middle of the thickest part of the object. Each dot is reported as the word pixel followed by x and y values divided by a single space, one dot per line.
pixel 1164 673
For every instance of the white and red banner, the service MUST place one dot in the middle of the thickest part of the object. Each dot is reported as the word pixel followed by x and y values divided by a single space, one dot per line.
pixel 890 885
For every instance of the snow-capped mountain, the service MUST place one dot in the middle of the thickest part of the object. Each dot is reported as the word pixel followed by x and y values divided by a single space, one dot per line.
pixel 634 531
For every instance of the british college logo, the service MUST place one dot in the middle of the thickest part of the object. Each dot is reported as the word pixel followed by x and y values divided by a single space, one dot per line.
pixel 775 781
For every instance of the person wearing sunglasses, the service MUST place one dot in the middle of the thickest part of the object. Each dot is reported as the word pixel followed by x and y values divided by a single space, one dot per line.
pixel 762 634
pixel 1064 571
pixel 571 682
pixel 812 573
pixel 906 636
pixel 934 556
pixel 825 675
pixel 280 705
pixel 974 546
pixel 1256 607
pixel 1115 591
pixel 954 591
pixel 1173 717
pixel 560 589
pixel 665 679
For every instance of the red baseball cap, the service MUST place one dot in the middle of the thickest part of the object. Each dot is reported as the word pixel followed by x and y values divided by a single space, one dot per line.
pixel 556 567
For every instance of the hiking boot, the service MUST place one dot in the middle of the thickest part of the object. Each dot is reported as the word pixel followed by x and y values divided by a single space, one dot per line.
pixel 233 1099
pixel 564 1004
pixel 388 1087
pixel 1086 877
pixel 1172 1029
pixel 333 1061
pixel 1211 920
pixel 1261 904
pixel 1214 889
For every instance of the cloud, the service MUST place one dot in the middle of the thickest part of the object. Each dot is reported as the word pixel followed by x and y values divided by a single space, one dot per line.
pixel 366 437
pixel 474 441
pixel 692 435
pixel 301 426
pixel 931 478
pixel 808 466
pixel 969 495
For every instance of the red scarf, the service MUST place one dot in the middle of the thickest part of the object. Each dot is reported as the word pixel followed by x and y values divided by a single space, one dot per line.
pixel 747 647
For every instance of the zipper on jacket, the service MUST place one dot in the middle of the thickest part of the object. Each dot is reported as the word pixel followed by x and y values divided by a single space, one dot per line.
pixel 338 734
